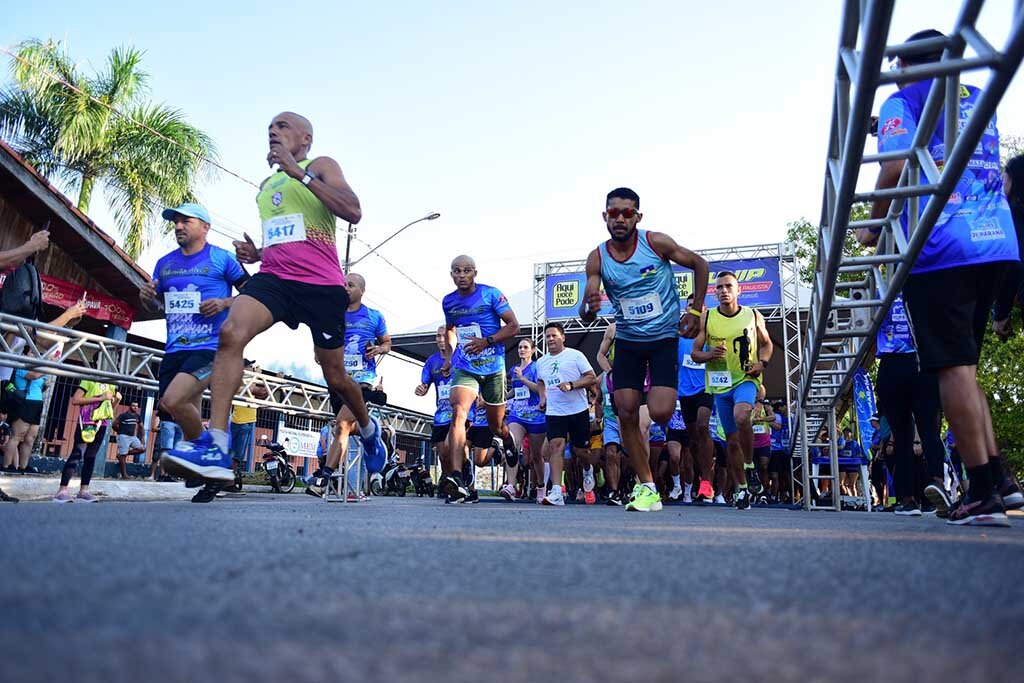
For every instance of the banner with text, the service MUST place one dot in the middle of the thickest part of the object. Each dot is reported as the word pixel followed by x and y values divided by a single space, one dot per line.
pixel 759 287
pixel 298 442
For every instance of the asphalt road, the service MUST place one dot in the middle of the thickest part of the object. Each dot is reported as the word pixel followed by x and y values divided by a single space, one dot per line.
pixel 291 588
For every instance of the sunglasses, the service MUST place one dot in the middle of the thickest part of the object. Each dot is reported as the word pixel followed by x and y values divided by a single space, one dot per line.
pixel 625 213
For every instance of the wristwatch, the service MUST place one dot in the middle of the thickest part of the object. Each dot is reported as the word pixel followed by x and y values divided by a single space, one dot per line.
pixel 763 362
pixel 490 340
pixel 308 178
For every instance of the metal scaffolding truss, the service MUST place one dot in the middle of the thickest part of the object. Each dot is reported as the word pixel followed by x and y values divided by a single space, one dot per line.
pixel 841 331
pixel 70 353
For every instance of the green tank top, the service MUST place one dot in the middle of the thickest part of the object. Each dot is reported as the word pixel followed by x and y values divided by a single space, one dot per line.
pixel 739 335
pixel 298 232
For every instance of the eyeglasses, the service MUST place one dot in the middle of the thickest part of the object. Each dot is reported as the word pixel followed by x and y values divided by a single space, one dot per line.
pixel 625 213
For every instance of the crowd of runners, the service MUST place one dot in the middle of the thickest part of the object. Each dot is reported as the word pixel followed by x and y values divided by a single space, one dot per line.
pixel 675 410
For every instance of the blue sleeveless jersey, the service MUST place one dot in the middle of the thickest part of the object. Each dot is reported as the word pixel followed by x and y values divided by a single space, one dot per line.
pixel 642 291
pixel 976 225
pixel 691 373
pixel 895 336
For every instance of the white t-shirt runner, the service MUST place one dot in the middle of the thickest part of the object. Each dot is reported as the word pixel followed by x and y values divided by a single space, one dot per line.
pixel 567 366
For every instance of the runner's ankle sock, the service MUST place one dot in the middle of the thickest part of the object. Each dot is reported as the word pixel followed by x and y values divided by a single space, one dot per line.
pixel 547 471
pixel 743 487
pixel 748 465
pixel 999 476
pixel 687 488
pixel 326 472
pixel 220 439
pixel 366 431
pixel 651 486
pixel 980 479
pixel 675 482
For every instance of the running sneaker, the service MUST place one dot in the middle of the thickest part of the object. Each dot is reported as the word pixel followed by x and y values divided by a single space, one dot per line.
pixel 579 496
pixel 472 497
pixel 754 482
pixel 554 497
pixel 644 500
pixel 85 497
pixel 588 480
pixel 508 492
pixel 376 453
pixel 928 510
pixel 589 497
pixel 541 492
pixel 600 479
pixel 317 488
pixel 687 498
pixel 63 497
pixel 704 490
pixel 675 493
pixel 200 458
pixel 614 499
pixel 1012 497
pixel 719 499
pixel 988 512
pixel 207 493
pixel 742 500
pixel 455 490
pixel 907 510
pixel 497 451
pixel 4 498
pixel 939 499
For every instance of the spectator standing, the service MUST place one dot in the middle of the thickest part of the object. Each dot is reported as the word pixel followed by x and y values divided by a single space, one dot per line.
pixel 96 402
pixel 128 427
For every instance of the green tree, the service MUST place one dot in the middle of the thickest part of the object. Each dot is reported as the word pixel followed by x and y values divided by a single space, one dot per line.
pixel 72 134
pixel 803 235
pixel 1001 376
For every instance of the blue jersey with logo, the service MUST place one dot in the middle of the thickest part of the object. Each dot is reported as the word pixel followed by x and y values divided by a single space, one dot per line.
pixel 184 281
pixel 715 427
pixel 476 315
pixel 431 374
pixel 895 336
pixel 976 225
pixel 657 433
pixel 478 416
pixel 676 421
pixel 691 373
pixel 851 449
pixel 362 327
pixel 525 403
pixel 780 437
pixel 642 291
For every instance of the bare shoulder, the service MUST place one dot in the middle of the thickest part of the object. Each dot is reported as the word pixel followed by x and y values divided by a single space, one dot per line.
pixel 325 164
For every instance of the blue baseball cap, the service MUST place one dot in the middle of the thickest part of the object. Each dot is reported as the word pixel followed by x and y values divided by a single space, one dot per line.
pixel 188 209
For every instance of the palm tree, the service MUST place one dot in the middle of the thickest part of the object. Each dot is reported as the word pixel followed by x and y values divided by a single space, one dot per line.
pixel 72 134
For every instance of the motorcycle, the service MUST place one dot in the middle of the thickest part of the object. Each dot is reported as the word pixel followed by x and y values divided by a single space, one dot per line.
pixel 279 470
pixel 422 483
pixel 394 478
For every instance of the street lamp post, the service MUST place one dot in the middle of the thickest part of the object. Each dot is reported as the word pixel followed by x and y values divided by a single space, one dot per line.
pixel 348 243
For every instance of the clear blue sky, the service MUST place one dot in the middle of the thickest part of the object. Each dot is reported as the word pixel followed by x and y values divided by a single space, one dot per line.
pixel 513 121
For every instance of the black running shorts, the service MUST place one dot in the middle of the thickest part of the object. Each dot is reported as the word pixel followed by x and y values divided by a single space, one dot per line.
pixel 633 360
pixel 319 307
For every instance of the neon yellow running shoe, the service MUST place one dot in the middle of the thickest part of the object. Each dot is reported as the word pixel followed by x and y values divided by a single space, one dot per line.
pixel 600 479
pixel 644 500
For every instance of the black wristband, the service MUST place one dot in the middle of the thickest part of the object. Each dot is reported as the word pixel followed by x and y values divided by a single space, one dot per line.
pixel 490 340
pixel 763 362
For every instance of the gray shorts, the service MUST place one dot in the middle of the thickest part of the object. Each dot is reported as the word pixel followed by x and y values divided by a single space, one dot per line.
pixel 125 442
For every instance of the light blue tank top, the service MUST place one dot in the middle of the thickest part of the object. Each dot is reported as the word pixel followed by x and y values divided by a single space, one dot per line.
pixel 642 291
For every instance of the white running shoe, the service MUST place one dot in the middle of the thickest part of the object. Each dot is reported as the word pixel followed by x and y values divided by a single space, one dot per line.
pixel 508 492
pixel 720 499
pixel 554 497
pixel 588 480
pixel 541 492
pixel 676 492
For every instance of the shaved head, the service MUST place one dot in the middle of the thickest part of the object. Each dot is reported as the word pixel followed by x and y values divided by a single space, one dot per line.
pixel 358 279
pixel 463 261
pixel 297 120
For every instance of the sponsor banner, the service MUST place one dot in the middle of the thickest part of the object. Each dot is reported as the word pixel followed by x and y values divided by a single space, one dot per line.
pixel 759 287
pixel 298 442
pixel 57 292
pixel 864 401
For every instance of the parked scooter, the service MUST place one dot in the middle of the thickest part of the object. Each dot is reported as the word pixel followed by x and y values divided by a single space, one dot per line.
pixel 279 470
pixel 422 483
pixel 395 477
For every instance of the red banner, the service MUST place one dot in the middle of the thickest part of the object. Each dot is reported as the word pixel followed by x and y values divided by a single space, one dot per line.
pixel 63 294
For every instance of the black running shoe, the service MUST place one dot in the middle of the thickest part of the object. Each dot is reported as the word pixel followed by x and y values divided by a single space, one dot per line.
pixel 988 512
pixel 207 493
pixel 907 510
pixel 742 500
pixel 937 496
pixel 4 498
pixel 455 490
pixel 614 499
pixel 497 452
pixel 318 488
pixel 473 497
pixel 194 482
pixel 754 482
pixel 1012 497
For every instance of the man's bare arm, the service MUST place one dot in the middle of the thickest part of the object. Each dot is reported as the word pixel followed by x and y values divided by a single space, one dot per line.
pixel 888 177
pixel 333 190
pixel 591 303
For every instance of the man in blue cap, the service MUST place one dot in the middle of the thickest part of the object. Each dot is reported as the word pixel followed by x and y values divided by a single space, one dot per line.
pixel 192 285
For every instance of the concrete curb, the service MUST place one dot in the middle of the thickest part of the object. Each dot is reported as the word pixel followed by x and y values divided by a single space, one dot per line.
pixel 30 488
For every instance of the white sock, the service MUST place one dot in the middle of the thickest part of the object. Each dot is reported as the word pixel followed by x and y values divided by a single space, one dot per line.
pixel 220 439
pixel 547 472
pixel 675 480
pixel 651 486
pixel 366 431
pixel 687 488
